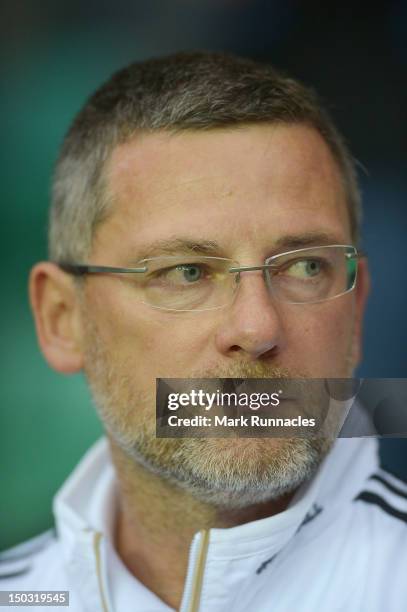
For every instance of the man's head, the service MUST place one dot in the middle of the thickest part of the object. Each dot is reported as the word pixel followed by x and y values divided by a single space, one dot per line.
pixel 230 158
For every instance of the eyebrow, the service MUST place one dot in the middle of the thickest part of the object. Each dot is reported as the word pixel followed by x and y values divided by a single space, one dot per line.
pixel 179 246
pixel 297 241
pixel 188 246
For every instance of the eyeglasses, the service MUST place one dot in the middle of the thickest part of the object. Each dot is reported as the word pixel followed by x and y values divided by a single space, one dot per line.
pixel 196 283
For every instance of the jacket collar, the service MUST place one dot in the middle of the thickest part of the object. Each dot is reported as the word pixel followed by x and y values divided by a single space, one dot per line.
pixel 85 509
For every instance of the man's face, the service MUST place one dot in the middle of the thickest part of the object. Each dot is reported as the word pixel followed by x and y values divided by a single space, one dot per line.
pixel 256 191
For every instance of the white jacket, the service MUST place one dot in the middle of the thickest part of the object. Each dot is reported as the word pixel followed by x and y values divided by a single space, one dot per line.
pixel 341 545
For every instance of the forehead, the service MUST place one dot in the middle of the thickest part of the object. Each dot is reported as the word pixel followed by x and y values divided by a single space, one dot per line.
pixel 248 183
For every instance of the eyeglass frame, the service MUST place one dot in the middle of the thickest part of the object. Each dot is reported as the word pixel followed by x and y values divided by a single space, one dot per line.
pixel 83 269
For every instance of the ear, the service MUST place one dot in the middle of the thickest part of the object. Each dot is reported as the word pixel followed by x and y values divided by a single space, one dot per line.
pixel 362 290
pixel 55 305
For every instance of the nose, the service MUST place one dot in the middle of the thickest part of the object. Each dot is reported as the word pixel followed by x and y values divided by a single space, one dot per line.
pixel 252 326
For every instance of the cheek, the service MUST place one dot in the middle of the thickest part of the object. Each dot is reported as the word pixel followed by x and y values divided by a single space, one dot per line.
pixel 147 342
pixel 173 343
pixel 322 335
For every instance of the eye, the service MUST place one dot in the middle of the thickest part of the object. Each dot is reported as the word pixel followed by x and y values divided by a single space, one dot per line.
pixel 190 272
pixel 304 268
pixel 182 274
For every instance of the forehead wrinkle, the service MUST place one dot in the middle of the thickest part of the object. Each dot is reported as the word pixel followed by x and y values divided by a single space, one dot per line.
pixel 167 195
pixel 128 179
pixel 191 191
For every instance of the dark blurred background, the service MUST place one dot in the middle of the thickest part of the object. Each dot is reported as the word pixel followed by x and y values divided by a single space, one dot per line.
pixel 53 55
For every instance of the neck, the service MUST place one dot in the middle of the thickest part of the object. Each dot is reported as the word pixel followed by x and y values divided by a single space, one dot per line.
pixel 156 523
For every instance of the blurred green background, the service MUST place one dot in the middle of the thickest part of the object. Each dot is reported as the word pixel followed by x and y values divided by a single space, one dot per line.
pixel 53 56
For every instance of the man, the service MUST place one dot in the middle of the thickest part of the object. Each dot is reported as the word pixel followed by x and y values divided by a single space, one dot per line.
pixel 198 202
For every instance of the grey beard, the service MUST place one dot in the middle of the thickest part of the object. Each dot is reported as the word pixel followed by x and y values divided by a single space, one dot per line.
pixel 210 479
pixel 236 492
pixel 258 472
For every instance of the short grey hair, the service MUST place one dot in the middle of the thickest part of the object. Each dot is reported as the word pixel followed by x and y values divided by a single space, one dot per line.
pixel 183 91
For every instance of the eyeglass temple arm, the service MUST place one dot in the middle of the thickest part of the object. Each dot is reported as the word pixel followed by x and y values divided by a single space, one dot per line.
pixel 80 270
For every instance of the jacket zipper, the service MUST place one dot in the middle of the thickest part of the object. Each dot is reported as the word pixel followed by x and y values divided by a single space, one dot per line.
pixel 97 536
pixel 193 585
pixel 194 580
